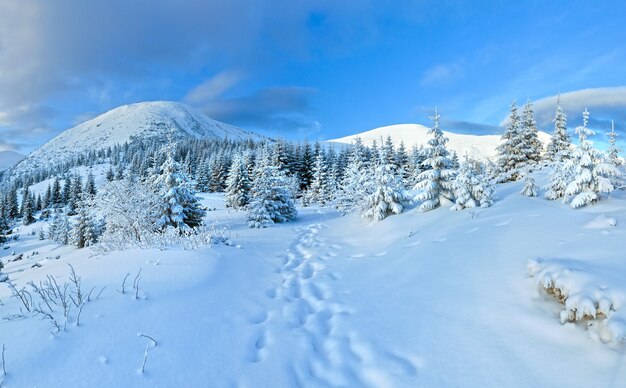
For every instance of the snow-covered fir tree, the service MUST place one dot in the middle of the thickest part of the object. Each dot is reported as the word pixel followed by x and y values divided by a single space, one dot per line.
pixel 388 196
pixel 559 177
pixel 237 185
pixel 84 233
pixel 472 187
pixel 271 199
pixel 613 151
pixel 436 183
pixel 320 189
pixel 357 181
pixel 533 145
pixel 181 207
pixel 560 146
pixel 28 213
pixel 515 149
pixel 530 188
pixel 60 229
pixel 592 174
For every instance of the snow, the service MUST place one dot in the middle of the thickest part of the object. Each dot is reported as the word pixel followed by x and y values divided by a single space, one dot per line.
pixel 420 299
pixel 476 146
pixel 145 120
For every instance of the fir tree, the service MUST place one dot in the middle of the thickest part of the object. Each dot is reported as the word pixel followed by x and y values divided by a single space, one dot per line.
pixel 271 199
pixel 28 209
pixel 181 206
pixel 472 187
pixel 591 173
pixel 436 183
pixel 319 191
pixel 560 146
pixel 357 181
pixel 238 185
pixel 532 144
pixel 515 150
pixel 613 151
pixel 90 185
pixel 388 196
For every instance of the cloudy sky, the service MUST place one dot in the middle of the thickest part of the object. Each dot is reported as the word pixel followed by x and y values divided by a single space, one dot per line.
pixel 314 69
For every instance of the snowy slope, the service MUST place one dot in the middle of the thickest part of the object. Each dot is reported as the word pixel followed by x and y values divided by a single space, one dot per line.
pixel 480 147
pixel 9 159
pixel 143 120
pixel 437 299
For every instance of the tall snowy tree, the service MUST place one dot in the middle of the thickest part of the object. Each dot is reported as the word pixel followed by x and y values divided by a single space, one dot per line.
pixel 514 150
pixel 28 209
pixel 238 185
pixel 319 191
pixel 591 172
pixel 560 146
pixel 613 151
pixel 182 208
pixel 532 143
pixel 436 183
pixel 357 181
pixel 472 187
pixel 388 196
pixel 90 184
pixel 84 231
pixel 271 200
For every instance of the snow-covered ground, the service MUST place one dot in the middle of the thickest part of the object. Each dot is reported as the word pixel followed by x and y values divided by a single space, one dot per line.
pixel 476 146
pixel 437 299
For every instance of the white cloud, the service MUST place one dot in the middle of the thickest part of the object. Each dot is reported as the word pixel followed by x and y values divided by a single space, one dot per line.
pixel 443 74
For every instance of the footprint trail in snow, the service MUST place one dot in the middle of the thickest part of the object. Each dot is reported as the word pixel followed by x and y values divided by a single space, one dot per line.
pixel 329 353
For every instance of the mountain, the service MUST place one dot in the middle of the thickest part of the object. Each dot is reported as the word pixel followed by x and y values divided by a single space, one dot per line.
pixel 476 146
pixel 128 123
pixel 9 159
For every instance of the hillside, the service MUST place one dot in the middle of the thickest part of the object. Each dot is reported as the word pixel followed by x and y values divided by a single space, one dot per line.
pixel 127 123
pixel 476 146
pixel 332 301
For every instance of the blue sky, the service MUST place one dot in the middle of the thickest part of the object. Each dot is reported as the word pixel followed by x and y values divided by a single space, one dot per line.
pixel 309 69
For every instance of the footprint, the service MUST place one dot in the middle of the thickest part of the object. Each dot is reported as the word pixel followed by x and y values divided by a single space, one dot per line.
pixel 472 230
pixel 298 312
pixel 379 254
pixel 259 317
pixel 307 271
pixel 504 223
pixel 332 254
pixel 258 351
pixel 315 291
pixel 271 293
pixel 413 244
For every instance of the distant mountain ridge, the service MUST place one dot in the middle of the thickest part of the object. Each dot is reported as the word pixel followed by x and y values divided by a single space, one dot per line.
pixel 476 146
pixel 128 123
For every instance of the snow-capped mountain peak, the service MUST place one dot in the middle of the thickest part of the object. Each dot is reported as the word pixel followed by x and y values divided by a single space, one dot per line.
pixel 476 146
pixel 127 123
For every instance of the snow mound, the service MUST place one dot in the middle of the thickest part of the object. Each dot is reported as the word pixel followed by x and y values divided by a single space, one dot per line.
pixel 586 297
pixel 601 222
pixel 476 146
pixel 127 123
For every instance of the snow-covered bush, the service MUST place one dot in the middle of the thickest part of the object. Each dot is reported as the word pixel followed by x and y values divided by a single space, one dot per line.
pixel 530 188
pixel 584 297
pixel 559 177
pixel 130 210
